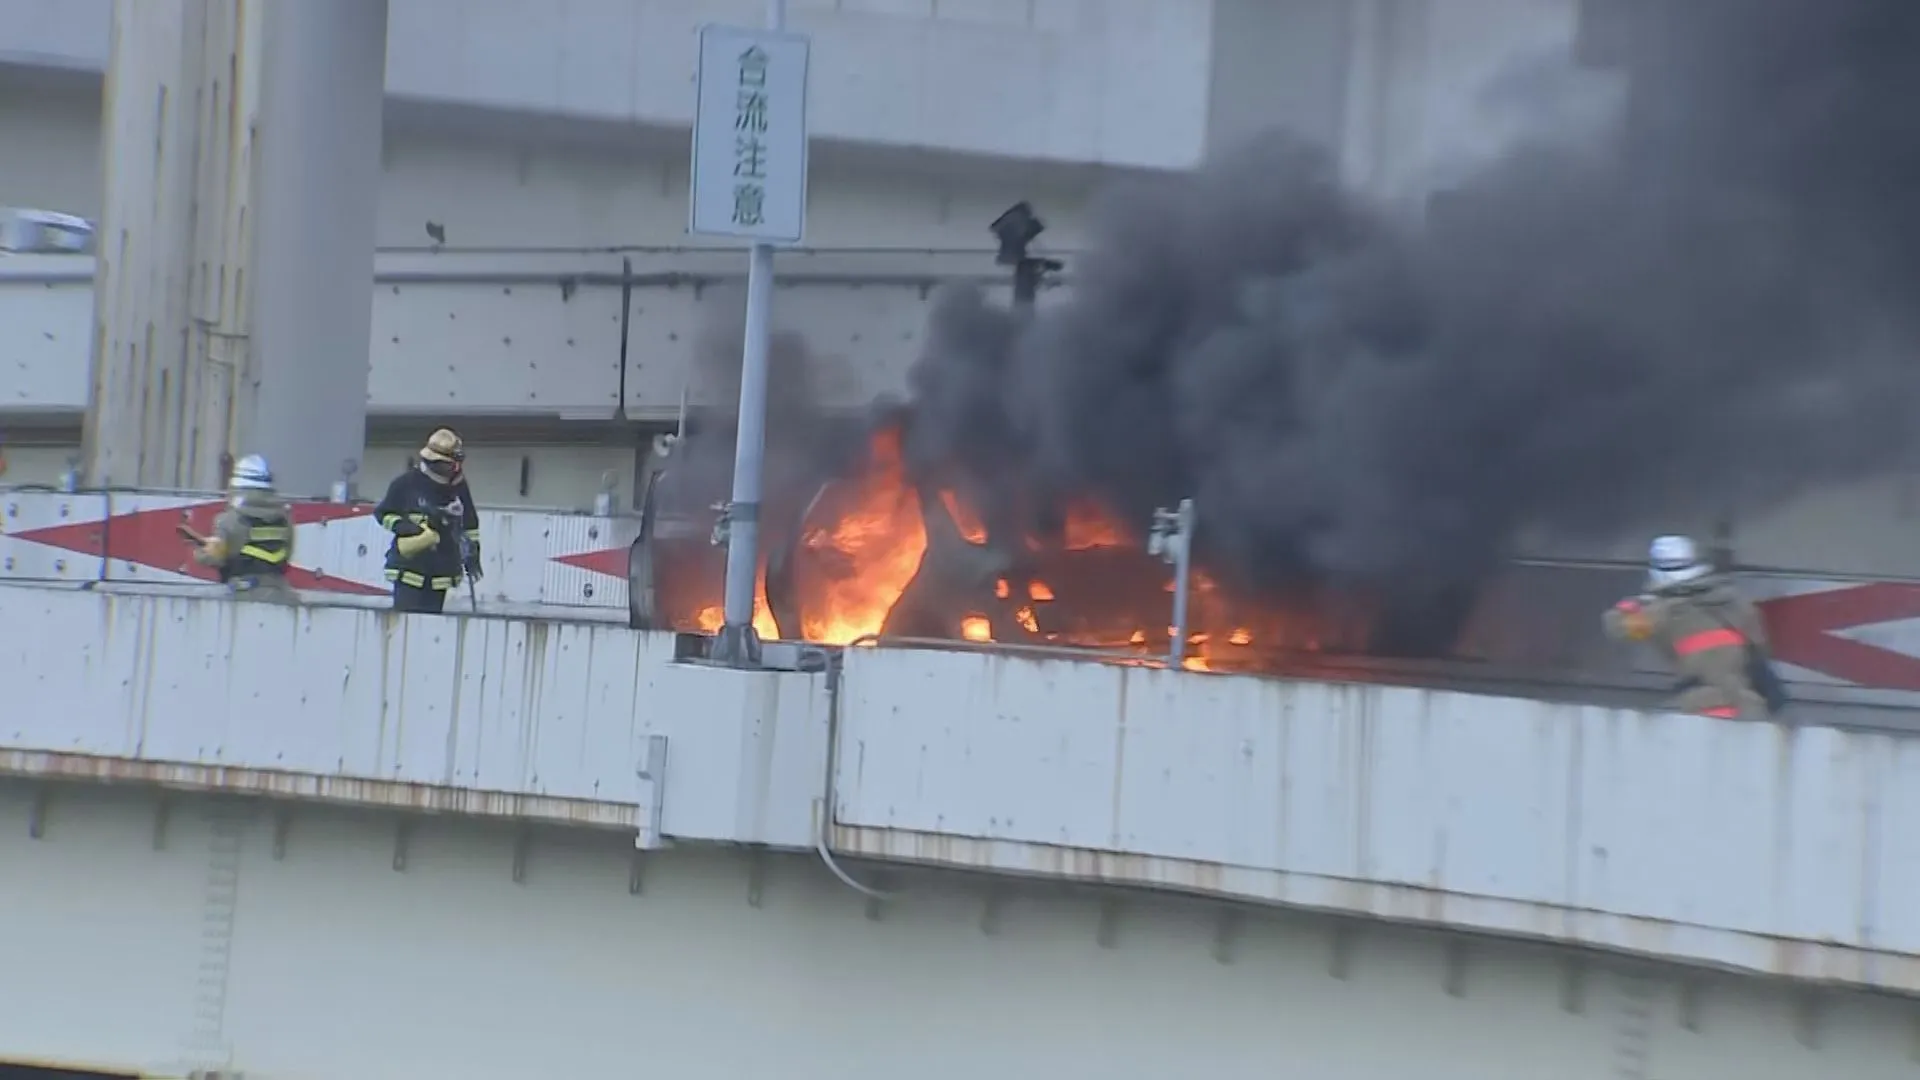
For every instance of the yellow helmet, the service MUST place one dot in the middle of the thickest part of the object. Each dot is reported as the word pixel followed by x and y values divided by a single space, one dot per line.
pixel 443 445
pixel 442 455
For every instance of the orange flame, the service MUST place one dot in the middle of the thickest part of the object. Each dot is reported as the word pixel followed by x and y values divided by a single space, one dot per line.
pixel 864 542
pixel 874 545
pixel 712 617
pixel 1089 527
pixel 971 527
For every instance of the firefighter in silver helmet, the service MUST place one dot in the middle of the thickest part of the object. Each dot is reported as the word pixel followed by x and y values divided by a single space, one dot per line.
pixel 252 541
pixel 1713 636
pixel 436 529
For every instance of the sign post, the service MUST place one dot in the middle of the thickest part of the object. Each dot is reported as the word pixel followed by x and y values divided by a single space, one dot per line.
pixel 750 183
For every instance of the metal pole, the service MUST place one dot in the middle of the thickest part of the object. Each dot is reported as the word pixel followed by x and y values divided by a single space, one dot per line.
pixel 1182 578
pixel 738 642
pixel 1026 282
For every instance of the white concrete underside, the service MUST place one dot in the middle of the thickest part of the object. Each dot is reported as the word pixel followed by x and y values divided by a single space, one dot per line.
pixel 328 963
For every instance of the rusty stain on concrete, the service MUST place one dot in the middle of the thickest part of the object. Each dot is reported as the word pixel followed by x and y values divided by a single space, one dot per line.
pixel 1690 945
pixel 339 790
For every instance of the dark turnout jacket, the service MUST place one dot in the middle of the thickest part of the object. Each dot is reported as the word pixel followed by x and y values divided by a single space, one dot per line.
pixel 416 501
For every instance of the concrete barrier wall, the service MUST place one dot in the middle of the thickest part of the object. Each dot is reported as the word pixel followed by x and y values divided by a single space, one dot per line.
pixel 1786 850
pixel 479 716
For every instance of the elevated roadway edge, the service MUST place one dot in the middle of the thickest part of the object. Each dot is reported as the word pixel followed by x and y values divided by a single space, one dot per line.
pixel 1759 848
pixel 190 935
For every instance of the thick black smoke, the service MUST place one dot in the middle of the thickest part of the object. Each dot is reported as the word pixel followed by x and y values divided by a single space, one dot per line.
pixel 803 444
pixel 1709 312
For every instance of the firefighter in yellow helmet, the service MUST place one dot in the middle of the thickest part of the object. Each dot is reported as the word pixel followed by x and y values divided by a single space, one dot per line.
pixel 436 529
pixel 252 541
pixel 1713 636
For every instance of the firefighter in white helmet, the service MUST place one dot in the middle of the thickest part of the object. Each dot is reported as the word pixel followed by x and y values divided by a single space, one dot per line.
pixel 436 529
pixel 1713 636
pixel 252 542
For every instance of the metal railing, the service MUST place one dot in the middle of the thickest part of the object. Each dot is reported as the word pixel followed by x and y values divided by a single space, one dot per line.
pixel 1865 707
pixel 635 266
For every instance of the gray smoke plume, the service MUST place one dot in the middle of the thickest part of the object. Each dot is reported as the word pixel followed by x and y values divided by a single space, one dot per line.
pixel 803 444
pixel 1713 311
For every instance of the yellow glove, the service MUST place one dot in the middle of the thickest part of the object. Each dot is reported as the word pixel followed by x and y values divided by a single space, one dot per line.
pixel 424 540
pixel 1631 621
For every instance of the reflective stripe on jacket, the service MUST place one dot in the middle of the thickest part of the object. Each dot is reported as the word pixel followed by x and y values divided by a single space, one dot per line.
pixel 1721 638
pixel 265 553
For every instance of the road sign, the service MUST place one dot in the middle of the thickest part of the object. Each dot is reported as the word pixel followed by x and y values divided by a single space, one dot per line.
pixel 750 136
pixel 338 548
pixel 1804 630
pixel 146 538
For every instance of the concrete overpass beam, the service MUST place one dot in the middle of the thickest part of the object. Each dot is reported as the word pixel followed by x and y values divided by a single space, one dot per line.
pixel 233 299
pixel 317 176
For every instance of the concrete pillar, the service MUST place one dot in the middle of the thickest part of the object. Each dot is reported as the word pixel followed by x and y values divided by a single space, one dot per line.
pixel 170 281
pixel 316 199
pixel 233 299
pixel 1278 64
pixel 1362 111
pixel 1388 85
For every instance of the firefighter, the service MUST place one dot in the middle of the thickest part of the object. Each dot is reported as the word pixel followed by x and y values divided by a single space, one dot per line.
pixel 252 541
pixel 1713 637
pixel 436 530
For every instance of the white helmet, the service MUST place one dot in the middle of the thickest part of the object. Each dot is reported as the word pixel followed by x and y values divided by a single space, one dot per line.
pixel 1675 560
pixel 250 473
